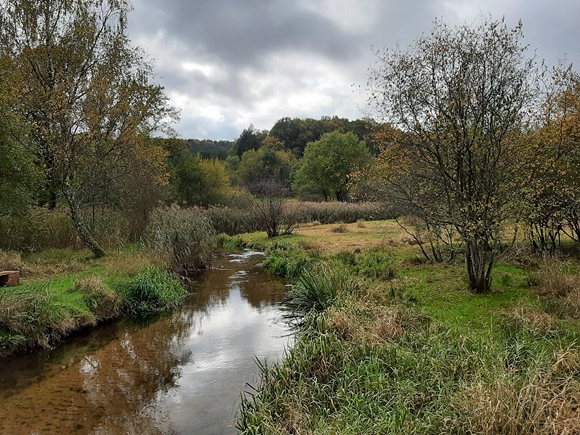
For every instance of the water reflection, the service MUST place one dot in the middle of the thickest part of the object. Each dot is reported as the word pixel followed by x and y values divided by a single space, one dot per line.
pixel 180 374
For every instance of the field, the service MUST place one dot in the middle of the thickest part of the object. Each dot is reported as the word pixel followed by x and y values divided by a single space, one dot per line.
pixel 390 343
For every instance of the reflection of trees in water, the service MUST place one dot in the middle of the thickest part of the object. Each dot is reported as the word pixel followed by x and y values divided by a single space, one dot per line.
pixel 262 290
pixel 117 388
pixel 112 390
pixel 257 286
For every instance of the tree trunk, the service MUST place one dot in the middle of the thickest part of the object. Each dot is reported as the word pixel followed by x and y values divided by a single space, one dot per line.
pixel 84 233
pixel 479 262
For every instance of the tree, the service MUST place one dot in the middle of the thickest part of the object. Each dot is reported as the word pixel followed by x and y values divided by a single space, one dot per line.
pixel 550 184
pixel 18 177
pixel 85 94
pixel 327 164
pixel 262 169
pixel 250 139
pixel 199 182
pixel 462 97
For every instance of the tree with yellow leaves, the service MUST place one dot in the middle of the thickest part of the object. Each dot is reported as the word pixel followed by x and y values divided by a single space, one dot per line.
pixel 84 93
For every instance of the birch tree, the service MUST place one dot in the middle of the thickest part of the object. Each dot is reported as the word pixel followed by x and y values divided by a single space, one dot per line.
pixel 84 92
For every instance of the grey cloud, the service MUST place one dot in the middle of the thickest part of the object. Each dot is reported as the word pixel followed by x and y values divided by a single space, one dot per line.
pixel 242 32
pixel 253 45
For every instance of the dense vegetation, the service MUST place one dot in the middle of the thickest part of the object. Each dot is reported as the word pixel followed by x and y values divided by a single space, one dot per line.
pixel 473 151
pixel 387 342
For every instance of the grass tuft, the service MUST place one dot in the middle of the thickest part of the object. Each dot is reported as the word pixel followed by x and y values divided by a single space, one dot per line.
pixel 316 289
pixel 152 291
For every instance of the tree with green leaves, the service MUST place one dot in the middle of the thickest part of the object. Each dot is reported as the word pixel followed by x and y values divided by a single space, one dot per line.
pixel 462 97
pixel 85 95
pixel 327 164
pixel 267 168
pixel 250 139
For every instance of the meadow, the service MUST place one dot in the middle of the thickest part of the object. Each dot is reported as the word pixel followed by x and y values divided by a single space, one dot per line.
pixel 387 342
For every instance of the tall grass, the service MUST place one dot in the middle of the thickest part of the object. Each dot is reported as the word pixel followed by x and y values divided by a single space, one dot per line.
pixel 183 237
pixel 42 229
pixel 36 316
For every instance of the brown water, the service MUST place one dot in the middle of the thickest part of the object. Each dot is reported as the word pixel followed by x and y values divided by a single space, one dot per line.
pixel 180 374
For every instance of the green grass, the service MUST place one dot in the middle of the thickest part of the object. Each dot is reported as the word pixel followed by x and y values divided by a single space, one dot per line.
pixel 64 290
pixel 152 291
pixel 413 351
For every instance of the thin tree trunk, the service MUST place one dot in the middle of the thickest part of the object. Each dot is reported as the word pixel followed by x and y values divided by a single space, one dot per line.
pixel 83 232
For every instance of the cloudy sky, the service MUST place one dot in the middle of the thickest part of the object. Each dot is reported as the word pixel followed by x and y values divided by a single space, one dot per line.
pixel 227 64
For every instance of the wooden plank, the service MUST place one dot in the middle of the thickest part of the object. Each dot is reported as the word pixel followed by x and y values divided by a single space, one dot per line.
pixel 9 277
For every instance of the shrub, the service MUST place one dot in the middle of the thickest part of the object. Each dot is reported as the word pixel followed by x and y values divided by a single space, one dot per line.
pixel 152 291
pixel 183 237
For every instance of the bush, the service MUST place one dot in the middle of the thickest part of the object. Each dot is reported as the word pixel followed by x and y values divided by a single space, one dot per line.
pixel 152 291
pixel 184 238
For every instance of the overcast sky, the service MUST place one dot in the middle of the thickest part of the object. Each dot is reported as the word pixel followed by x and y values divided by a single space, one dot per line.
pixel 227 64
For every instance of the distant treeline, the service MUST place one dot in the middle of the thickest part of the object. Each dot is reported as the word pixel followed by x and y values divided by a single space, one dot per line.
pixel 208 148
pixel 291 134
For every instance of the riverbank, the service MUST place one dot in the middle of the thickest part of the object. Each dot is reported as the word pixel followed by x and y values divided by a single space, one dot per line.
pixel 390 343
pixel 63 291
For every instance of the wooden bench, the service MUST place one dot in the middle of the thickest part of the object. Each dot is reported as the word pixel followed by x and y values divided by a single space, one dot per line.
pixel 9 277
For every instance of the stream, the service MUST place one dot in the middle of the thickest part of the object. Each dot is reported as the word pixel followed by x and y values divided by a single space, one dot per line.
pixel 181 373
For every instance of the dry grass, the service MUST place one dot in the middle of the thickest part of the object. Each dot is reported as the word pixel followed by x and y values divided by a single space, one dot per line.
pixel 129 263
pixel 10 260
pixel 558 287
pixel 350 236
pixel 547 402
pixel 368 323
pixel 532 319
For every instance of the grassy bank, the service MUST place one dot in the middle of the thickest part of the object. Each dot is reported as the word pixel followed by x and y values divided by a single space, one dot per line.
pixel 66 290
pixel 387 343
